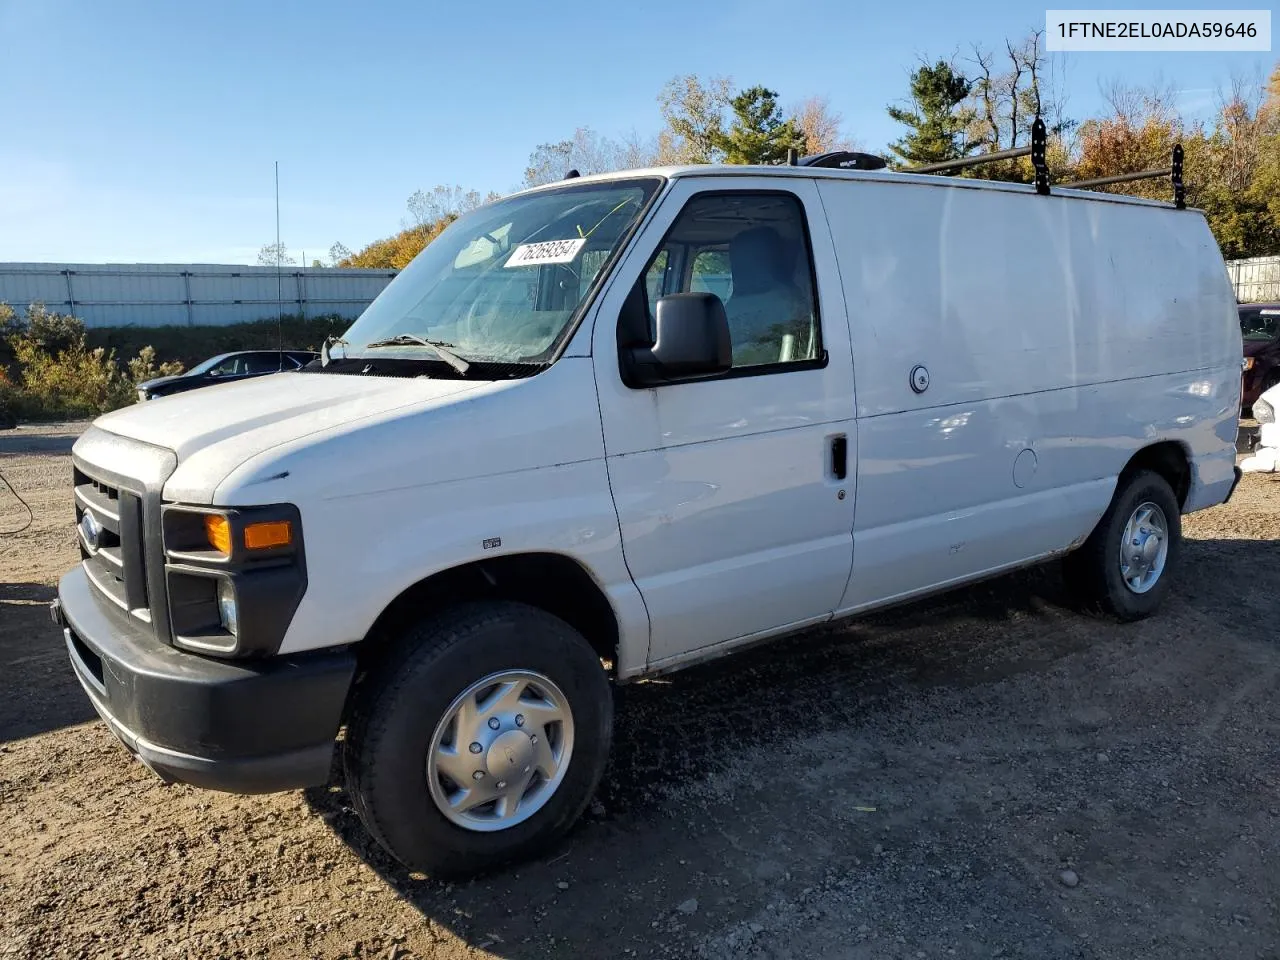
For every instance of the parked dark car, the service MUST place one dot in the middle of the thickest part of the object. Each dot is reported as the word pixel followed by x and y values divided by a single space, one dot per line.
pixel 227 367
pixel 1260 329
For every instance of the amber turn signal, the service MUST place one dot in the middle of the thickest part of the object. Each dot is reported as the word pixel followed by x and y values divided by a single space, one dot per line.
pixel 272 533
pixel 218 531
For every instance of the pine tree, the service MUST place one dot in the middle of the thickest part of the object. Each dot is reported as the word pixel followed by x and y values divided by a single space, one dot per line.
pixel 938 118
pixel 759 133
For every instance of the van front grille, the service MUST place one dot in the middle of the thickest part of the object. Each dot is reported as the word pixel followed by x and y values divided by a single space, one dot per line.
pixel 109 526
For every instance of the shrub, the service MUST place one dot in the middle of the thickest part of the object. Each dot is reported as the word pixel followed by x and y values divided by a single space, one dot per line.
pixel 59 370
pixel 192 344
pixel 54 332
pixel 59 375
pixel 74 382
pixel 8 403
pixel 143 366
pixel 11 325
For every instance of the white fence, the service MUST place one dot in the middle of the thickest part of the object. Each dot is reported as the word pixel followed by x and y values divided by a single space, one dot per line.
pixel 1256 280
pixel 160 294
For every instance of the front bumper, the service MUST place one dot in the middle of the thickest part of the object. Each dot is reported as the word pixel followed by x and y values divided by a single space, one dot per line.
pixel 245 726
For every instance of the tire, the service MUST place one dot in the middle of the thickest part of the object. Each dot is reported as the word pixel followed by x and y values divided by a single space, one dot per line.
pixel 1093 572
pixel 402 706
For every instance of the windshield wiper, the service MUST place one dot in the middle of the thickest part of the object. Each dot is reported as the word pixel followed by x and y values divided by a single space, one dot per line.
pixel 439 346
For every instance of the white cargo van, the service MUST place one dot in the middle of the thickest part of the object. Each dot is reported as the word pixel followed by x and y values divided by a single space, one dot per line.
pixel 622 424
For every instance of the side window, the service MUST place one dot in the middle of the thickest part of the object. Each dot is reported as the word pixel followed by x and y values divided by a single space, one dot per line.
pixel 711 273
pixel 752 251
pixel 655 279
pixel 226 368
pixel 261 363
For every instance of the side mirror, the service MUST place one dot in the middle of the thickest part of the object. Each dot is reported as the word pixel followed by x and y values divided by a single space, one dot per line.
pixel 691 340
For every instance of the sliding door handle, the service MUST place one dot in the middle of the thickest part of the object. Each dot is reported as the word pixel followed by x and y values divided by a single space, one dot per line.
pixel 839 457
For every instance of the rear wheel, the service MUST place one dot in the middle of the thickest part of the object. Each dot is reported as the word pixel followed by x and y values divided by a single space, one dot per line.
pixel 1123 569
pixel 479 740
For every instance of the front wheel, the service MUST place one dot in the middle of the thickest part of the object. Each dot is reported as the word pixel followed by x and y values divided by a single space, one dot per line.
pixel 1123 569
pixel 479 740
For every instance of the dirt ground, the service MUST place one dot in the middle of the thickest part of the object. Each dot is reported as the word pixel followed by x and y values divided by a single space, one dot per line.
pixel 986 775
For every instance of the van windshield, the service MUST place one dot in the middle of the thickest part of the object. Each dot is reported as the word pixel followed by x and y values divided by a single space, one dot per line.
pixel 503 282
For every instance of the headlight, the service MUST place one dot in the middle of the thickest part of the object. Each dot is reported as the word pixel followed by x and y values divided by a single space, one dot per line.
pixel 235 576
pixel 1263 411
pixel 1247 364
pixel 227 612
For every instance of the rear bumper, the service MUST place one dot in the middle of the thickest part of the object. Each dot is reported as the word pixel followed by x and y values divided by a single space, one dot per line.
pixel 248 726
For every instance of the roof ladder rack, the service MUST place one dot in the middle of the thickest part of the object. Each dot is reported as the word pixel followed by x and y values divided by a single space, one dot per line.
pixel 1173 172
pixel 963 162
pixel 1175 176
pixel 1039 142
pixel 1039 145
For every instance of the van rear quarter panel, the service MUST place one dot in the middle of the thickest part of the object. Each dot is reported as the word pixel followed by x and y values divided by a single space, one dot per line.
pixel 1076 330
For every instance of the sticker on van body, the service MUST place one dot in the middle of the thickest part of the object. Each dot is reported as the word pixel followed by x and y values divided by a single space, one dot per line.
pixel 548 251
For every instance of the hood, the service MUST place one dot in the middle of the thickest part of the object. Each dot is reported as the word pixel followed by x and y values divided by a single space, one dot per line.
pixel 160 381
pixel 225 424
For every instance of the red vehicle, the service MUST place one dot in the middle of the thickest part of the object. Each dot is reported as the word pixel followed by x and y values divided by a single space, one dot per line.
pixel 1260 328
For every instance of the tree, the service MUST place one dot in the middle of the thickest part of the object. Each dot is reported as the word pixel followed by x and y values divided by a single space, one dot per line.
pixel 693 118
pixel 1266 181
pixel 587 152
pixel 819 126
pixel 1007 92
pixel 430 211
pixel 1243 152
pixel 274 254
pixel 938 118
pixel 1224 164
pixel 339 255
pixel 428 207
pixel 636 151
pixel 1138 134
pixel 758 133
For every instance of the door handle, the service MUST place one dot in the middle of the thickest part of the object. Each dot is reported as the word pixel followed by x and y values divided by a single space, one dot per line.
pixel 839 457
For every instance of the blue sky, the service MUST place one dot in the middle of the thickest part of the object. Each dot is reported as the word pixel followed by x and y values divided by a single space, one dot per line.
pixel 146 131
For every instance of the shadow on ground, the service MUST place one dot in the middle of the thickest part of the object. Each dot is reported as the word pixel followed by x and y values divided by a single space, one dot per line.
pixel 678 730
pixel 38 691
pixel 19 442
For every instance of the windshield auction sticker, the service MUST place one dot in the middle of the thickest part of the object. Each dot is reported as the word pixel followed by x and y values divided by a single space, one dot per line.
pixel 549 251
pixel 1172 30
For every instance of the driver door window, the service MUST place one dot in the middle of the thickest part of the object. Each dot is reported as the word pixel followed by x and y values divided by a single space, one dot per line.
pixel 752 251
pixel 262 363
pixel 226 368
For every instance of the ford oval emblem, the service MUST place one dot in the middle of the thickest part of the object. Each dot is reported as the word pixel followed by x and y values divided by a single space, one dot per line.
pixel 91 530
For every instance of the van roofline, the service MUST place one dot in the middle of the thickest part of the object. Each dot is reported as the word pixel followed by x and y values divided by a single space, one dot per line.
pixel 710 171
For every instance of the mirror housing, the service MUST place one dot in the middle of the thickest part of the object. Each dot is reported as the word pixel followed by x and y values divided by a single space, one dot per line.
pixel 691 340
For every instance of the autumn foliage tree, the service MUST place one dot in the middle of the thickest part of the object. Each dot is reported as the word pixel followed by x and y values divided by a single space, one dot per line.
pixel 1226 162
pixel 820 127
pixel 430 211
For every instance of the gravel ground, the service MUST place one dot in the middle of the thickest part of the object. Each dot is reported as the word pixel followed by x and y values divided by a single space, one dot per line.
pixel 984 775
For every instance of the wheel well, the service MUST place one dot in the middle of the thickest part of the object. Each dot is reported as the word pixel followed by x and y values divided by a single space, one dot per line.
pixel 550 581
pixel 1169 460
